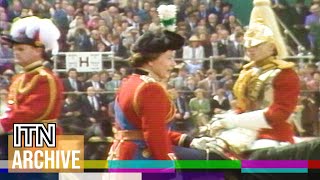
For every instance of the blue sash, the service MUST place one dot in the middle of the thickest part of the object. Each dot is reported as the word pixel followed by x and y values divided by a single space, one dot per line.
pixel 124 124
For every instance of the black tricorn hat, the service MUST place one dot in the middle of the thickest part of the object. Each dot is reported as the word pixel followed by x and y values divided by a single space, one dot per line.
pixel 8 39
pixel 158 42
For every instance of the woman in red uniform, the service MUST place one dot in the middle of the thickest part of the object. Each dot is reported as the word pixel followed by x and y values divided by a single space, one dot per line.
pixel 143 106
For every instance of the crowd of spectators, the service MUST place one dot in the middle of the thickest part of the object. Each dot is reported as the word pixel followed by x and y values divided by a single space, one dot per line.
pixel 211 29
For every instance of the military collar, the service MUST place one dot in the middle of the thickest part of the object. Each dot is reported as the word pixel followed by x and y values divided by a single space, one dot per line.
pixel 260 63
pixel 32 66
pixel 140 71
pixel 147 72
pixel 264 62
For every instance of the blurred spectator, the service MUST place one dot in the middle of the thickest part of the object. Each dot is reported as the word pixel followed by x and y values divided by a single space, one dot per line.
pixel 314 83
pixel 133 7
pixel 41 8
pixel 213 21
pixel 191 22
pixel 93 22
pixel 60 15
pixel 155 24
pixel 312 23
pixel 210 83
pixel 181 120
pixel 4 4
pixel 6 53
pixel 14 10
pixel 217 50
pixel 92 107
pixel 220 103
pixel 77 22
pixel 6 78
pixel 94 39
pixel 71 116
pixel 123 72
pixel 224 39
pixel 144 13
pixel 94 82
pixel 281 8
pixel 80 41
pixel 132 35
pixel 237 29
pixel 101 47
pixel 238 44
pixel 299 11
pixel 4 24
pixel 112 86
pixel 104 77
pixel 118 48
pixel 200 108
pixel 71 84
pixel 203 12
pixel 228 87
pixel 216 7
pixel 309 115
pixel 3 100
pixel 180 81
pixel 193 54
pixel 105 36
pixel 226 12
pixel 136 23
pixel 231 23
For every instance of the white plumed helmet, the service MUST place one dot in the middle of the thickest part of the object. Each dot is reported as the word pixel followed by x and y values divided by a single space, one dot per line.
pixel 36 32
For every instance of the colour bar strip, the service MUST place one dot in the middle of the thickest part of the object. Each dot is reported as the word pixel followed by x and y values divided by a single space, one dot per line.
pixel 95 164
pixel 314 164
pixel 143 164
pixel 149 170
pixel 3 170
pixel 274 170
pixel 211 164
pixel 274 164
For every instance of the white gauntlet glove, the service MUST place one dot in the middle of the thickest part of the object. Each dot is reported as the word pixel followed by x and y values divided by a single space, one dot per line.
pixel 201 143
pixel 254 120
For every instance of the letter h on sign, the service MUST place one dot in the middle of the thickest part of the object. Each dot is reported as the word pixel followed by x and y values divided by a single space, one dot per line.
pixel 42 134
pixel 84 61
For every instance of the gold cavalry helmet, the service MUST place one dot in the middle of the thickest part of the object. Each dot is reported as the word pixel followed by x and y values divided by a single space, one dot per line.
pixel 258 33
pixel 263 27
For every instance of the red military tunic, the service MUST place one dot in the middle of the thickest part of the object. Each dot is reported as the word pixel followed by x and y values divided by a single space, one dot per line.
pixel 34 96
pixel 285 98
pixel 275 88
pixel 148 107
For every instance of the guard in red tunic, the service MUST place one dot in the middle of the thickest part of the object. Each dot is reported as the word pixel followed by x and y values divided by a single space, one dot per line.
pixel 35 95
pixel 267 88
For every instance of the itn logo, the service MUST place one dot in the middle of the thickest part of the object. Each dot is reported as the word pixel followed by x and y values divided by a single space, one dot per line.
pixel 42 135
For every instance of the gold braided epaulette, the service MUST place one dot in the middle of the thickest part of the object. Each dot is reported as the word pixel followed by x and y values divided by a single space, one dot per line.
pixel 248 65
pixel 281 64
pixel 147 79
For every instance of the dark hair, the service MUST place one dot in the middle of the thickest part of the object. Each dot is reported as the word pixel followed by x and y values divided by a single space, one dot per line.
pixel 239 34
pixel 138 59
pixel 72 69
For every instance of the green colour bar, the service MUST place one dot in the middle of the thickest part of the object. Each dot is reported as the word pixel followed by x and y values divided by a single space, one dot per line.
pixel 208 164
pixel 274 170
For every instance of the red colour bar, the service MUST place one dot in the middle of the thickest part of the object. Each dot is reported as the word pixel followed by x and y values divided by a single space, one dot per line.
pixel 314 164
